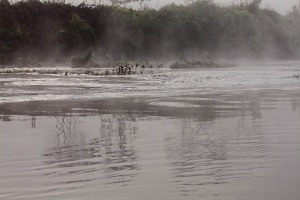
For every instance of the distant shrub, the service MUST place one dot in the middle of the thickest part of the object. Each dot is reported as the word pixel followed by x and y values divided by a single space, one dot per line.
pixel 78 33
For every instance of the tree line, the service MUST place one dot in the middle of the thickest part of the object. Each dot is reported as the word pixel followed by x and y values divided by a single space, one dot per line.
pixel 39 31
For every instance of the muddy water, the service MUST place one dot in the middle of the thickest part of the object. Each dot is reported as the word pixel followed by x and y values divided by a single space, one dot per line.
pixel 202 134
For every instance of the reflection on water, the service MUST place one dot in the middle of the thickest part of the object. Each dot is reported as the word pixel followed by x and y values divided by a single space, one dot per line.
pixel 296 104
pixel 227 145
pixel 68 142
pixel 213 153
pixel 109 151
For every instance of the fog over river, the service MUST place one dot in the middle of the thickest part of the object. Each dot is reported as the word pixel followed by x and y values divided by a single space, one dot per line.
pixel 211 133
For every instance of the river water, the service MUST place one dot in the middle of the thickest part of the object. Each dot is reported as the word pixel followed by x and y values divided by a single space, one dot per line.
pixel 227 133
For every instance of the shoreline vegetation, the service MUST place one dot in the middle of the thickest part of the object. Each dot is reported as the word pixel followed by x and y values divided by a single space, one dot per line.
pixel 33 33
pixel 122 69
pixel 87 72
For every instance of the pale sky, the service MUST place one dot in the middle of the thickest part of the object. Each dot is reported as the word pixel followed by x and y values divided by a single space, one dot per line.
pixel 279 5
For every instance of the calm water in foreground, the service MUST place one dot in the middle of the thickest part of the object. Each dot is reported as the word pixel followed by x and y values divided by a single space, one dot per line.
pixel 228 134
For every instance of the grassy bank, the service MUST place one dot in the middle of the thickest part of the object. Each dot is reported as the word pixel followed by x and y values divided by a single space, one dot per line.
pixel 33 31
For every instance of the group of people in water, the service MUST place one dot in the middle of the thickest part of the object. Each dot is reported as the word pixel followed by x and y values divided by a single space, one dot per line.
pixel 127 70
pixel 120 70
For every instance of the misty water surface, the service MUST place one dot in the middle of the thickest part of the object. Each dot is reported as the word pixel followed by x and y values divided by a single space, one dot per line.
pixel 174 134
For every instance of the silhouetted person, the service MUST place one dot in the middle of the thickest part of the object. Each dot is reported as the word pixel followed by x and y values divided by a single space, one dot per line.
pixel 129 70
pixel 121 70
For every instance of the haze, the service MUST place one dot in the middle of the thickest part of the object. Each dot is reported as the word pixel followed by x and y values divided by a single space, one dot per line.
pixel 278 5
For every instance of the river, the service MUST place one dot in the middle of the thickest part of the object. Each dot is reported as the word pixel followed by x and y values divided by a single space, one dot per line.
pixel 213 134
